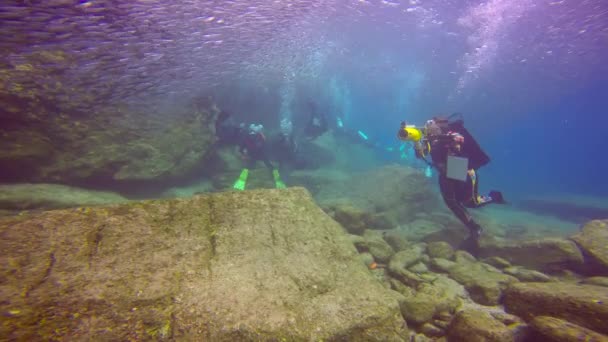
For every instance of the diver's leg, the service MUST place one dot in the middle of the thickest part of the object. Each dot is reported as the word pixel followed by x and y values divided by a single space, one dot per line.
pixel 475 200
pixel 449 194
pixel 279 184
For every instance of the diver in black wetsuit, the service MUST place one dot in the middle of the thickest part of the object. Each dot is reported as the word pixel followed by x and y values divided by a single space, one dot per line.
pixel 253 147
pixel 317 123
pixel 444 139
pixel 226 130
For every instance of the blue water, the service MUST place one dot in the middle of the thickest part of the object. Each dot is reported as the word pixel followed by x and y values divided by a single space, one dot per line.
pixel 530 79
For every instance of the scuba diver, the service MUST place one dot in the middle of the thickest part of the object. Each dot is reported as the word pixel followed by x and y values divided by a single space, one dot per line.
pixel 284 146
pixel 317 123
pixel 253 148
pixel 456 156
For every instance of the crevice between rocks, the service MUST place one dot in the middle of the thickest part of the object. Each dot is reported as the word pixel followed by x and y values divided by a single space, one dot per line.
pixel 46 275
pixel 95 238
pixel 211 234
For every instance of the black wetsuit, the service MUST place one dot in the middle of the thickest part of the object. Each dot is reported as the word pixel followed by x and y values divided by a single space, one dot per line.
pixel 227 131
pixel 452 191
pixel 317 125
pixel 284 148
pixel 456 194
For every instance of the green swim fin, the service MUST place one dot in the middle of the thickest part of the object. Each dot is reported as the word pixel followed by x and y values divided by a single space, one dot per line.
pixel 242 180
pixel 277 180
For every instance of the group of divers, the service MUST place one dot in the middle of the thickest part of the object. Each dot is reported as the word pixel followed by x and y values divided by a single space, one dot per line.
pixel 442 143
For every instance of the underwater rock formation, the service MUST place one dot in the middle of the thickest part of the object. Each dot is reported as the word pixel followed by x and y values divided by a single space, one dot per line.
pixel 110 146
pixel 547 254
pixel 476 325
pixel 593 240
pixel 254 265
pixel 554 329
pixel 584 305
pixel 383 198
pixel 485 283
pixel 52 196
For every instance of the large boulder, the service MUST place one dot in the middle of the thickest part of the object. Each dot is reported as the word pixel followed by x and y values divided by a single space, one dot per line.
pixel 373 243
pixel 248 266
pixel 477 325
pixel 401 261
pixel 584 305
pixel 390 196
pixel 111 146
pixel 52 196
pixel 485 283
pixel 429 300
pixel 593 240
pixel 554 329
pixel 545 255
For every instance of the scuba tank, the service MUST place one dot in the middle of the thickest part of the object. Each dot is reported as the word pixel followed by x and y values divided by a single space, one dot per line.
pixel 455 123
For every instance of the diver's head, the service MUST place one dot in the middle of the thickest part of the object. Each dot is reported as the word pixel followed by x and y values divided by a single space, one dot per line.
pixel 254 129
pixel 432 128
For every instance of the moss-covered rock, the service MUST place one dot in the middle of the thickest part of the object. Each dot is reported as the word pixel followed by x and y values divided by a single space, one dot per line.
pixel 396 240
pixel 250 266
pixel 554 329
pixel 599 281
pixel 430 300
pixel 497 262
pixel 485 283
pixel 524 274
pixel 52 196
pixel 581 304
pixel 389 195
pixel 354 220
pixel 440 249
pixel 593 240
pixel 373 243
pixel 481 326
pixel 112 145
pixel 401 261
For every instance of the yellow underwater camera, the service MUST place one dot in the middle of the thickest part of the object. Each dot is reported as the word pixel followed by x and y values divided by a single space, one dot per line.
pixel 409 132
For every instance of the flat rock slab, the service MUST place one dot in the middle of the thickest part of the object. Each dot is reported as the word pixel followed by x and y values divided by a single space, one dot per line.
pixel 254 265
pixel 555 329
pixel 480 326
pixel 585 305
pixel 52 196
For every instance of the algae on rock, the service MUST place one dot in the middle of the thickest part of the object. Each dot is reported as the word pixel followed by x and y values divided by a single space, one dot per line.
pixel 254 265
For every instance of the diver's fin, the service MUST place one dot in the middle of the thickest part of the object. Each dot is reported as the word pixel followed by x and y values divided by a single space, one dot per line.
pixel 497 197
pixel 277 179
pixel 242 180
